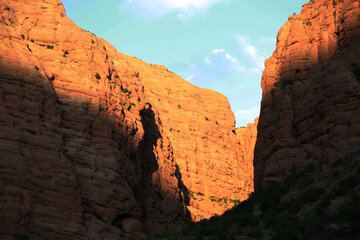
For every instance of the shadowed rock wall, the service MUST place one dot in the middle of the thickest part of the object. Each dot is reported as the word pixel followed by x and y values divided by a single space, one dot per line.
pixel 310 110
pixel 95 144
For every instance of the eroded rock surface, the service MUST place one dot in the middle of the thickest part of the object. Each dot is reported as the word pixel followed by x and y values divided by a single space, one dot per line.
pixel 247 139
pixel 199 124
pixel 310 109
pixel 95 144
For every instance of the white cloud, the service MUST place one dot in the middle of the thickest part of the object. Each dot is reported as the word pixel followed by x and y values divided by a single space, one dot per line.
pixel 160 7
pixel 220 50
pixel 252 52
pixel 267 40
pixel 207 60
pixel 235 72
pixel 245 116
pixel 190 78
pixel 229 60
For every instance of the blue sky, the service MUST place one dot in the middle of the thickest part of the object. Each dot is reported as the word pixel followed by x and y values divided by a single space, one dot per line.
pixel 215 44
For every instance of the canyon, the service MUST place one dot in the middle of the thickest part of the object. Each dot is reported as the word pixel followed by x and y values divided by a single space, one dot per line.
pixel 307 152
pixel 96 144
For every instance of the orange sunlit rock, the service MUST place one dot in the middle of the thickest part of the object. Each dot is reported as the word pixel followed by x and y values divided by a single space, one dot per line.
pixel 247 140
pixel 98 144
pixel 310 109
pixel 199 124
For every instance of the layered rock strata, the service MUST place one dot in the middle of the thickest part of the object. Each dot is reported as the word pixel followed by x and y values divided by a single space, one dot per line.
pixel 247 139
pixel 310 109
pixel 199 122
pixel 95 144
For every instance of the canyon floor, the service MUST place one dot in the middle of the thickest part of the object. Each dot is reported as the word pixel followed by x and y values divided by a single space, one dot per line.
pixel 319 202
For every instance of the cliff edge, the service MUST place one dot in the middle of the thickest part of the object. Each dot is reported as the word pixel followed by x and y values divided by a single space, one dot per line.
pixel 95 144
pixel 310 110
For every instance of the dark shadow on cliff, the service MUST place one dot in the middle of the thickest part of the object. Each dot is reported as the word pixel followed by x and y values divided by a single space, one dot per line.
pixel 86 138
pixel 147 145
pixel 153 187
pixel 307 113
pixel 318 203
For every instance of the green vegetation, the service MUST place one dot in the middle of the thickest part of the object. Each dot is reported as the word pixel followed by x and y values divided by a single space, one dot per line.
pixel 118 224
pixel 31 236
pixel 356 70
pixel 101 108
pixel 282 83
pixel 286 82
pixel 97 75
pixel 49 46
pixel 272 91
pixel 124 90
pixel 206 118
pixel 192 195
pixel 28 47
pixel 32 40
pixel 22 36
pixel 92 41
pixel 66 53
pixel 307 22
pixel 98 216
pixel 132 104
pixel 22 237
pixel 319 202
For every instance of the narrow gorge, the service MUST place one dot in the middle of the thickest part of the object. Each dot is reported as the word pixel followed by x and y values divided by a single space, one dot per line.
pixel 97 144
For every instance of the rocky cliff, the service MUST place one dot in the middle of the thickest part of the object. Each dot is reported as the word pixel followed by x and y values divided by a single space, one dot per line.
pixel 310 109
pixel 212 161
pixel 247 139
pixel 95 144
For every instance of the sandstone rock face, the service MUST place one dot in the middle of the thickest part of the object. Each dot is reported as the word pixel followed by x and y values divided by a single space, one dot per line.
pixel 310 108
pixel 95 144
pixel 199 124
pixel 247 140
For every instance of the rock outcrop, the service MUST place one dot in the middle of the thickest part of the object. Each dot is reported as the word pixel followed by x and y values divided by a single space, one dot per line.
pixel 247 139
pixel 95 144
pixel 199 124
pixel 310 109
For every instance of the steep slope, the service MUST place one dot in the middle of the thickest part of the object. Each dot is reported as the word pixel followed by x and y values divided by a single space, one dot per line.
pixel 320 202
pixel 307 158
pixel 95 144
pixel 310 110
pixel 199 123
pixel 247 140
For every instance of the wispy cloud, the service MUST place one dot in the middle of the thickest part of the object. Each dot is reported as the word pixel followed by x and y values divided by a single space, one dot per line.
pixel 245 116
pixel 161 7
pixel 218 68
pixel 224 56
pixel 252 53
pixel 232 72
pixel 226 68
